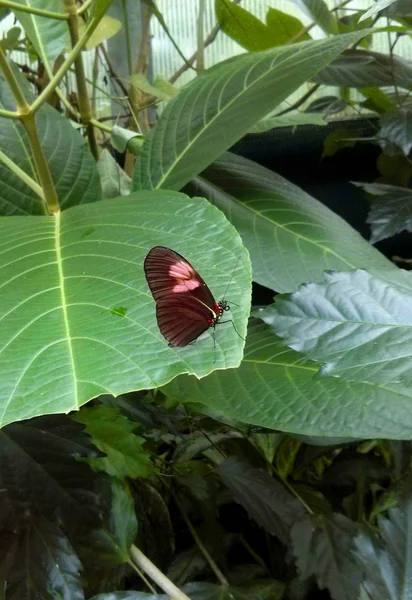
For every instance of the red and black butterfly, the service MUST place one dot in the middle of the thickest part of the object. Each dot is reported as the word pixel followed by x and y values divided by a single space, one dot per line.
pixel 185 306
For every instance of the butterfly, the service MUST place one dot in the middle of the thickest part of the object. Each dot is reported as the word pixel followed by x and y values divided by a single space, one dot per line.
pixel 185 306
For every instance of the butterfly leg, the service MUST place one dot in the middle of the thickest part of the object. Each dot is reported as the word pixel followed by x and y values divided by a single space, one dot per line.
pixel 234 327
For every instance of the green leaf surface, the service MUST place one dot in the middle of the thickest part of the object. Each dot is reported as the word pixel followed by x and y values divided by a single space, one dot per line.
pixel 72 166
pixel 215 110
pixel 77 318
pixel 121 138
pixel 323 547
pixel 357 324
pixel 319 12
pixel 275 388
pixel 114 181
pixel 266 500
pixel 396 128
pixel 338 139
pixel 295 120
pixel 253 35
pixel 46 566
pixel 50 37
pixel 385 560
pixel 113 434
pixel 111 543
pixel 377 7
pixel 391 209
pixel 291 237
pixel 363 68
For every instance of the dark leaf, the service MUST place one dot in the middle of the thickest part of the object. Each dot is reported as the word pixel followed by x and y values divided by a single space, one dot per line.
pixel 45 567
pixel 40 473
pixel 396 130
pixel 322 546
pixel 391 210
pixel 265 499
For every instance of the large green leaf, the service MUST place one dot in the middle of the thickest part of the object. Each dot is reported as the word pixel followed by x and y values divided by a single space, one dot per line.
pixel 77 318
pixel 362 68
pixel 71 164
pixel 50 37
pixel 214 111
pixel 396 129
pixel 357 324
pixel 291 237
pixel 274 387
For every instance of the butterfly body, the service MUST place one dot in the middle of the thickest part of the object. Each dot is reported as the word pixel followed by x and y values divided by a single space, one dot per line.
pixel 185 306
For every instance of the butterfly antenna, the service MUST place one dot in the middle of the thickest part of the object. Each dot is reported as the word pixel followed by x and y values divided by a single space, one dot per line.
pixel 231 279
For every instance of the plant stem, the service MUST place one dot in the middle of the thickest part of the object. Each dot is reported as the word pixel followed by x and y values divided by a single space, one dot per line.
pixel 27 118
pixel 200 61
pixel 34 11
pixel 199 542
pixel 84 102
pixel 73 54
pixel 155 574
pixel 33 185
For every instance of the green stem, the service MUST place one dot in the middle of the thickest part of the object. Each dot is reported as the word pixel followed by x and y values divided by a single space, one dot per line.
pixel 200 61
pixel 54 81
pixel 34 11
pixel 127 39
pixel 33 185
pixel 84 7
pixel 42 168
pixel 84 102
pixel 23 107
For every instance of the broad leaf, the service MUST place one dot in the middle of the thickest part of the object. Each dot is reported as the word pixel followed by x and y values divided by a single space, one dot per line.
pixel 275 388
pixel 45 566
pixel 319 12
pixel 72 166
pixel 113 434
pixel 396 128
pixel 391 210
pixel 386 560
pixel 77 318
pixel 248 31
pixel 50 37
pixel 39 474
pixel 291 237
pixel 357 324
pixel 362 68
pixel 323 547
pixel 266 500
pixel 228 98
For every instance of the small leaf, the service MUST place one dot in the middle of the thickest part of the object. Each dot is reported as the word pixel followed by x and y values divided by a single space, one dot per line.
pixel 160 88
pixel 113 179
pixel 297 119
pixel 396 128
pixel 113 434
pixel 121 138
pixel 380 5
pixel 286 455
pixel 112 542
pixel 323 547
pixel 107 28
pixel 391 210
pixel 339 138
pixel 357 324
pixel 264 498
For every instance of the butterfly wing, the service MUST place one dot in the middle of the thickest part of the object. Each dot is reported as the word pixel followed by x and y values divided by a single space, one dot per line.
pixel 185 306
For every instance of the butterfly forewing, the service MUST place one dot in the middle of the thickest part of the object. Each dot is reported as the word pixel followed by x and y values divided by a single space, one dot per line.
pixel 185 306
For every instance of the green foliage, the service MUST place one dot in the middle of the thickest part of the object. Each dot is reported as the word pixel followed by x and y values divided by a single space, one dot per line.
pixel 265 471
